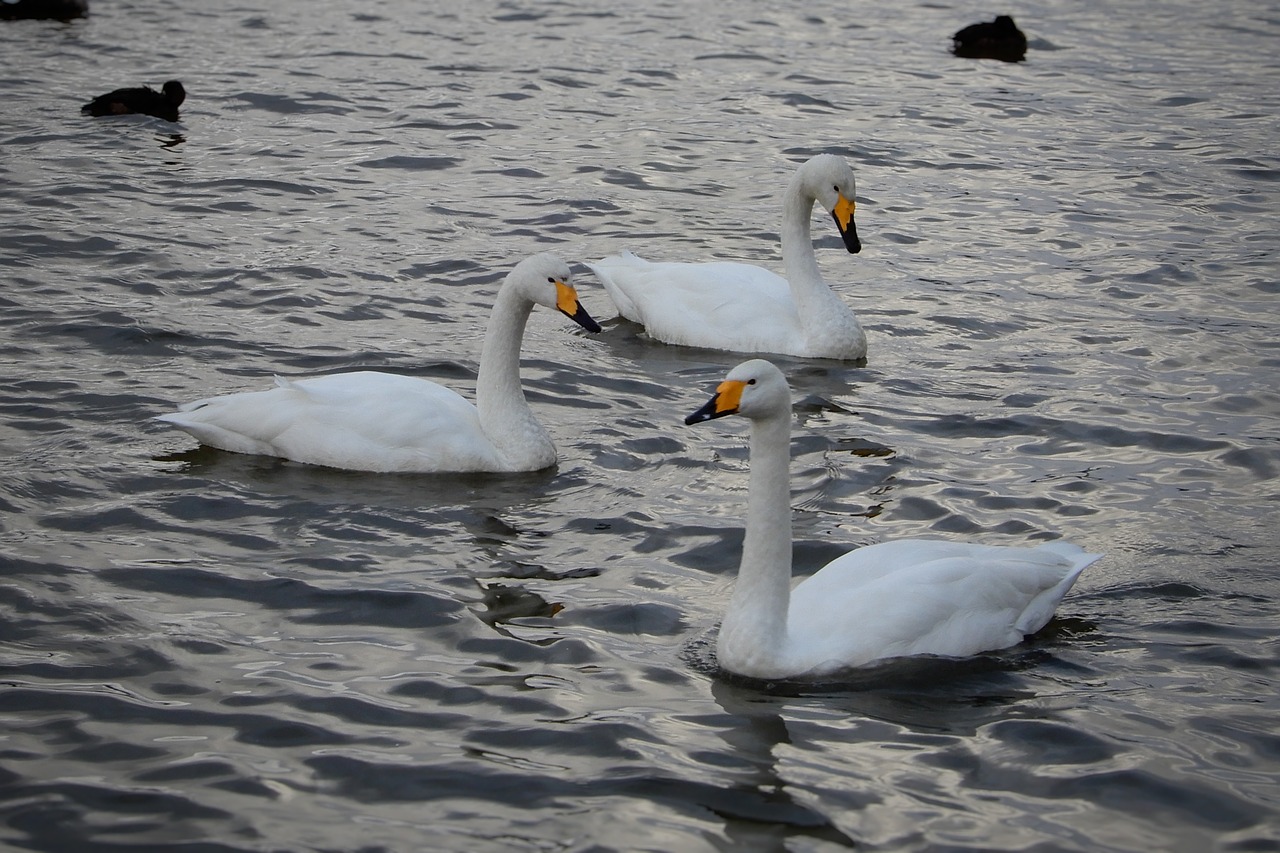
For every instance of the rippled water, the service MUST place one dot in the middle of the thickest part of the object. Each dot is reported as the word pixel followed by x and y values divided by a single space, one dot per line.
pixel 1069 283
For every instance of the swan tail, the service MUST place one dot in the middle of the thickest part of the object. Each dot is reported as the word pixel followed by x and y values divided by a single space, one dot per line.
pixel 187 407
pixel 196 405
pixel 245 422
pixel 1040 609
pixel 616 273
pixel 1065 549
pixel 213 435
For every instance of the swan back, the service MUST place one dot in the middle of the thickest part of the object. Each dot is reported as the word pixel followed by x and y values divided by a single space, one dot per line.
pixel 913 597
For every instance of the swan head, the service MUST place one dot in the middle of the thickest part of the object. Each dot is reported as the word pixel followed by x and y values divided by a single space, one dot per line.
pixel 828 180
pixel 754 389
pixel 544 279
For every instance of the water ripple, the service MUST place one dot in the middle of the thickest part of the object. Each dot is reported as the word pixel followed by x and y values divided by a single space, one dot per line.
pixel 1067 283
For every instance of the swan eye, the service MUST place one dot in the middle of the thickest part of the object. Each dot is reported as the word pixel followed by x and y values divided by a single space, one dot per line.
pixel 751 382
pixel 551 279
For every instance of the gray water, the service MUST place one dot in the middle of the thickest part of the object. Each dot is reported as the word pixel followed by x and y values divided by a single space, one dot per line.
pixel 1069 284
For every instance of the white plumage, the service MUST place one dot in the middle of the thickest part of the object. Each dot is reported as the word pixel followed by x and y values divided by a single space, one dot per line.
pixel 744 308
pixel 894 599
pixel 371 421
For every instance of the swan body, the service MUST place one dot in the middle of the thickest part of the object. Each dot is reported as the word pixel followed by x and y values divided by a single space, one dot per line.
pixel 890 600
pixel 371 421
pixel 744 308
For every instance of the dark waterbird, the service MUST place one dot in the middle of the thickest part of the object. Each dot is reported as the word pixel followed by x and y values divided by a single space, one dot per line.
pixel 43 10
pixel 141 99
pixel 998 39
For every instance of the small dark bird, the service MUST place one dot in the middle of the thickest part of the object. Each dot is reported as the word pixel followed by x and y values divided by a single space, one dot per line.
pixel 43 10
pixel 142 99
pixel 998 39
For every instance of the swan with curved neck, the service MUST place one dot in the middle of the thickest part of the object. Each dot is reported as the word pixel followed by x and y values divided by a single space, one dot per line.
pixel 372 421
pixel 895 599
pixel 745 308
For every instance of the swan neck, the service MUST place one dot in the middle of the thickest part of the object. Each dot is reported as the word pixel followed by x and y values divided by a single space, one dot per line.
pixel 500 400
pixel 757 616
pixel 797 242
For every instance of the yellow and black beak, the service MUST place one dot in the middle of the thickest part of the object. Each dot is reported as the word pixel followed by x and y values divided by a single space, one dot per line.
pixel 843 215
pixel 725 401
pixel 567 302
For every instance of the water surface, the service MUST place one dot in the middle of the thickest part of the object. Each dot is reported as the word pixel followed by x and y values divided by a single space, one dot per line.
pixel 1068 281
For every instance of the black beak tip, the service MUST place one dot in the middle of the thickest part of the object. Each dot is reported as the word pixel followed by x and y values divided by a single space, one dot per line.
pixel 849 234
pixel 583 319
pixel 706 413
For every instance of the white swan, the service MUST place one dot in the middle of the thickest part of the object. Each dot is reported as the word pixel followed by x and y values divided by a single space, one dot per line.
pixel 745 308
pixel 369 421
pixel 894 599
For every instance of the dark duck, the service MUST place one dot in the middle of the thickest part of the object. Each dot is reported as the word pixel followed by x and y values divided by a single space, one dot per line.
pixel 43 10
pixel 998 39
pixel 141 99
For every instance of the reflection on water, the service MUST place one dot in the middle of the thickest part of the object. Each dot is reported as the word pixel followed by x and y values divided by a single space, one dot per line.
pixel 1067 284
